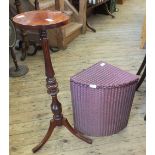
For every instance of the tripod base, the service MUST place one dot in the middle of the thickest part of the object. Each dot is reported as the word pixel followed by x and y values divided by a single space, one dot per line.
pixel 53 124
pixel 20 71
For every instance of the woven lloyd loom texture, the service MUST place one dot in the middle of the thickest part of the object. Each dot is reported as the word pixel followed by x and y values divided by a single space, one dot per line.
pixel 102 97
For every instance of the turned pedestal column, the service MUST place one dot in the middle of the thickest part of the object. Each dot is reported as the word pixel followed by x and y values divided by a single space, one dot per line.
pixel 42 20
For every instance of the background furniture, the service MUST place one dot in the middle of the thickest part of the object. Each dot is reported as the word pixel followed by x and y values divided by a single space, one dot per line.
pixel 42 20
pixel 120 1
pixel 142 68
pixel 59 37
pixel 26 38
pixel 142 45
pixel 89 6
pixel 102 97
pixel 18 70
pixel 111 7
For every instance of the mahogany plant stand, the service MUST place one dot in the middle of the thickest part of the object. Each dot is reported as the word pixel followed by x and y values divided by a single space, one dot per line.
pixel 42 20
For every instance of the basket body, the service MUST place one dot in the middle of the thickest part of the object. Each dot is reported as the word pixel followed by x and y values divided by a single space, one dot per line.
pixel 102 97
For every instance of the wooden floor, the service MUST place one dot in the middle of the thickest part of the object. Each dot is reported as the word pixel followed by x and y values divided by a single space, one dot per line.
pixel 117 42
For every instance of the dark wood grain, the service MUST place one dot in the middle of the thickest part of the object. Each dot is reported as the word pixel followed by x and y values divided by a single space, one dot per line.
pixel 52 89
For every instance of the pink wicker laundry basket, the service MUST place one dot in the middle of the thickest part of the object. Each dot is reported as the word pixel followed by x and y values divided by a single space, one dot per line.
pixel 102 97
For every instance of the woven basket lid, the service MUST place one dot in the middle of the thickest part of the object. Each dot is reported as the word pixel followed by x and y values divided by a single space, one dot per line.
pixel 102 75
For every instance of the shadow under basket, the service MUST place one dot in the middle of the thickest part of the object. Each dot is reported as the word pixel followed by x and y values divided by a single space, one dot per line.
pixel 102 97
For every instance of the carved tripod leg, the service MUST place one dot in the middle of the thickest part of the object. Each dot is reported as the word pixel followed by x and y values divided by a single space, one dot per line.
pixel 141 79
pixel 142 66
pixel 52 89
pixel 75 132
pixel 90 27
pixel 109 13
pixel 47 136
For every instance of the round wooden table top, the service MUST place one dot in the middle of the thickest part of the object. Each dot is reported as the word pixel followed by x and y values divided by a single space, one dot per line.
pixel 40 19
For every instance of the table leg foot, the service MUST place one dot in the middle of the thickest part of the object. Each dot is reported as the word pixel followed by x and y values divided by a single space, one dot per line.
pixel 47 136
pixel 90 27
pixel 108 12
pixel 75 132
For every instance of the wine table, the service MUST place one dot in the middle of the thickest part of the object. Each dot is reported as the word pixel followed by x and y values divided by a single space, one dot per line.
pixel 42 20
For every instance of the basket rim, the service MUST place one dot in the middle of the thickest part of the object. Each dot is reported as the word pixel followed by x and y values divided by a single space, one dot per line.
pixel 104 86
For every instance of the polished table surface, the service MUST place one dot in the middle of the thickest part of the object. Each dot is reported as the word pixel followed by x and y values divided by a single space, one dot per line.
pixel 40 19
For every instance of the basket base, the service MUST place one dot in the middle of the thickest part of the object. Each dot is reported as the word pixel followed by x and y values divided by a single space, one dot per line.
pixel 103 134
